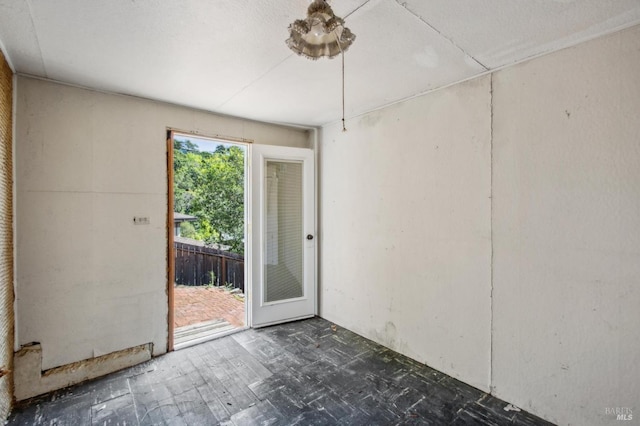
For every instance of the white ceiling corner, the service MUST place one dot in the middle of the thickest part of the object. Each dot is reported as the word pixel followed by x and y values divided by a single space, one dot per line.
pixel 501 32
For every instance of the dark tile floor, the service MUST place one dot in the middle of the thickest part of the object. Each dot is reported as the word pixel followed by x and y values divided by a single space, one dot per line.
pixel 297 373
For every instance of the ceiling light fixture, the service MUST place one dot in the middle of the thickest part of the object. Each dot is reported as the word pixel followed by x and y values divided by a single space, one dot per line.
pixel 321 34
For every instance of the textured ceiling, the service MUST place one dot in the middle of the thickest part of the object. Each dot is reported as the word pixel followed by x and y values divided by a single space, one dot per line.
pixel 230 57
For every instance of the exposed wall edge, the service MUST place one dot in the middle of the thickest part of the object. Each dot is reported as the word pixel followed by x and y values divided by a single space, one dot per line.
pixel 491 238
pixel 31 381
pixel 7 265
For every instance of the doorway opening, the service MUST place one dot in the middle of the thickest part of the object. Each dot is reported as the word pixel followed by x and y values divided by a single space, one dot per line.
pixel 207 187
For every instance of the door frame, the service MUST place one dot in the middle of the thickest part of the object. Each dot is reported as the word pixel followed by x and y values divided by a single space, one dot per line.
pixel 248 232
pixel 170 226
pixel 171 261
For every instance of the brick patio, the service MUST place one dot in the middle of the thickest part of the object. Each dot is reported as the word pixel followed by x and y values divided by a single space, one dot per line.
pixel 193 305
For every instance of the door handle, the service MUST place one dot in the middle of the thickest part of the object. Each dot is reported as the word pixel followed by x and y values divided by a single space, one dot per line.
pixel 309 237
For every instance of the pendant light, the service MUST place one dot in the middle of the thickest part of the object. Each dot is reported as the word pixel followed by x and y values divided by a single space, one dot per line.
pixel 321 35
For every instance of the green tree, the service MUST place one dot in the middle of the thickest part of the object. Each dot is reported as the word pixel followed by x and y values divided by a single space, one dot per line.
pixel 210 186
pixel 220 196
pixel 186 174
pixel 187 230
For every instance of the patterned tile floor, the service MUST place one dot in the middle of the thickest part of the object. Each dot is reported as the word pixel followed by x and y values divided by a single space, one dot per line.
pixel 299 373
pixel 193 305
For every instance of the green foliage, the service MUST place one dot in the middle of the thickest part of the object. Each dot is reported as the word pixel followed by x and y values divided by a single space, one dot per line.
pixel 187 230
pixel 210 186
pixel 212 279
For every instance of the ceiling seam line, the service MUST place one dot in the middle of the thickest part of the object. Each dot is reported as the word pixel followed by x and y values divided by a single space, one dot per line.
pixel 355 10
pixel 254 81
pixel 276 65
pixel 35 33
pixel 440 33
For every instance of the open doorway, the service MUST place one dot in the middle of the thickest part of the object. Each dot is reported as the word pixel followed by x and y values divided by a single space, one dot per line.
pixel 207 238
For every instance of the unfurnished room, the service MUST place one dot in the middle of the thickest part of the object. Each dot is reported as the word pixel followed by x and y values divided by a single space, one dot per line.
pixel 328 212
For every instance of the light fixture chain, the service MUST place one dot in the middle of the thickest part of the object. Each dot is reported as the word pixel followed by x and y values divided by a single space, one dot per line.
pixel 344 129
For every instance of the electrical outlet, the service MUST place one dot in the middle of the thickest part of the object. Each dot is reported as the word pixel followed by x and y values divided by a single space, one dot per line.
pixel 139 220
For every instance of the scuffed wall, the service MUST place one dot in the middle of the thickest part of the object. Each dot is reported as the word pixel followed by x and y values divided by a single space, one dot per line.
pixel 405 232
pixel 89 281
pixel 6 238
pixel 538 300
pixel 567 232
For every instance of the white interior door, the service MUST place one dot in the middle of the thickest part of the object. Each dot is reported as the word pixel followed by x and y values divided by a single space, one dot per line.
pixel 283 235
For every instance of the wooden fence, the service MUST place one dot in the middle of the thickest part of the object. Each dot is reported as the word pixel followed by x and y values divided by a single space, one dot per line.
pixel 196 266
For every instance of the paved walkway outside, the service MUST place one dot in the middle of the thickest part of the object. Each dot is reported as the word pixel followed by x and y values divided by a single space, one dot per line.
pixel 193 305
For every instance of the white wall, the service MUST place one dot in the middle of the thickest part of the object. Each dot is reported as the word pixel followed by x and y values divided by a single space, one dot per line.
pixel 405 249
pixel 567 231
pixel 406 253
pixel 89 282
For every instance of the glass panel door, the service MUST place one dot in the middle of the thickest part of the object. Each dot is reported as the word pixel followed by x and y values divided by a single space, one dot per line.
pixel 283 235
pixel 283 268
